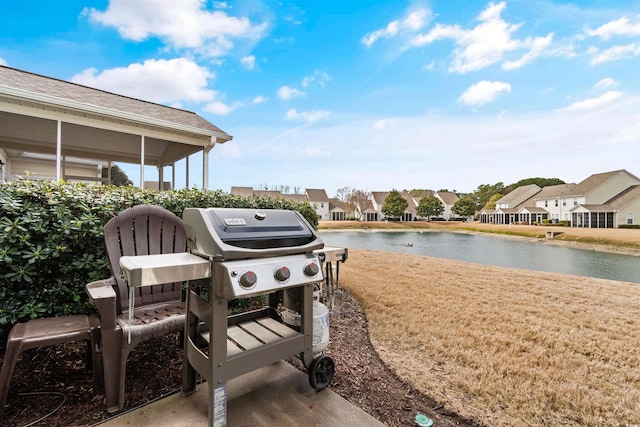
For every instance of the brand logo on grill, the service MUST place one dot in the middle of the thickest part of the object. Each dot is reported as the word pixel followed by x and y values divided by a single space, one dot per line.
pixel 235 221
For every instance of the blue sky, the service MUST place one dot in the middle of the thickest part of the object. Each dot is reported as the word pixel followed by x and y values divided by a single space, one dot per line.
pixel 374 95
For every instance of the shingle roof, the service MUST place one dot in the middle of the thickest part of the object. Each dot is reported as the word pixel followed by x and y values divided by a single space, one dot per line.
pixel 300 198
pixel 317 195
pixel 379 196
pixel 556 191
pixel 448 197
pixel 519 195
pixel 623 199
pixel 242 191
pixel 11 77
pixel 594 181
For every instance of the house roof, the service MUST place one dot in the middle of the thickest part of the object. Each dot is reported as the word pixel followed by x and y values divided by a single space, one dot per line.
pixel 336 204
pixel 96 124
pixel 379 196
pixel 556 191
pixel 448 197
pixel 519 195
pixel 294 197
pixel 532 209
pixel 625 198
pixel 411 203
pixel 317 195
pixel 616 203
pixel 242 191
pixel 594 181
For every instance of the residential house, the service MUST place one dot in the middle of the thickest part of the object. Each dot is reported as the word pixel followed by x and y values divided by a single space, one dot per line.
pixel 318 197
pixel 604 200
pixel 377 201
pixel 448 199
pixel 337 212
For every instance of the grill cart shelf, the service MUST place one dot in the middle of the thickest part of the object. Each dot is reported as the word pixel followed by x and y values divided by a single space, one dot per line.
pixel 251 253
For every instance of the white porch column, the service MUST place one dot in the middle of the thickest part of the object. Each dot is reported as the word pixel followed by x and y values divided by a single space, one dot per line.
pixel 186 173
pixel 59 151
pixel 205 163
pixel 160 178
pixel 173 176
pixel 142 161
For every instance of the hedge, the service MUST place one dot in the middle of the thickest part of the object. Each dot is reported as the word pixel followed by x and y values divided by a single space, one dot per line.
pixel 51 241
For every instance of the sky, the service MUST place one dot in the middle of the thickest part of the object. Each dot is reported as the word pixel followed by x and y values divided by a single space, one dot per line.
pixel 369 94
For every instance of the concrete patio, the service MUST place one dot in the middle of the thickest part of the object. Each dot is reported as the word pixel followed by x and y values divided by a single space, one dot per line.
pixel 275 395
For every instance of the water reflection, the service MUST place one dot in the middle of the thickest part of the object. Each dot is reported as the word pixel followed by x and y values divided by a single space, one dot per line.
pixel 494 251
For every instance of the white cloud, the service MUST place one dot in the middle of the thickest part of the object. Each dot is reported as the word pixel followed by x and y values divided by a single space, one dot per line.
pixel 419 159
pixel 413 21
pixel 181 24
pixel 318 77
pixel 593 103
pixel 249 62
pixel 308 116
pixel 218 108
pixel 259 100
pixel 483 92
pixel 3 62
pixel 537 46
pixel 614 53
pixel 605 83
pixel 163 81
pixel 287 92
pixel 380 124
pixel 619 27
pixel 221 5
pixel 487 43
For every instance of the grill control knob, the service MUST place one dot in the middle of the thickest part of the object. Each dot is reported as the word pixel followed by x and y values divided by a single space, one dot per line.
pixel 248 279
pixel 282 274
pixel 311 269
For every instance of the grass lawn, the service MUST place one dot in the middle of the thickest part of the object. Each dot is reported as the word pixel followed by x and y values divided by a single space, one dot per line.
pixel 505 346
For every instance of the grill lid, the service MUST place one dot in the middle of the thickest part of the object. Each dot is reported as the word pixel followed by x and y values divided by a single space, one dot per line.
pixel 243 233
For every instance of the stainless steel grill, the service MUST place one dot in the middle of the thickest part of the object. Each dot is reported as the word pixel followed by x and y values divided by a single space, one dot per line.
pixel 252 252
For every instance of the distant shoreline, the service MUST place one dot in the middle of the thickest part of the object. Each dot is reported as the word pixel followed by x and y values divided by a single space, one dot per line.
pixel 378 227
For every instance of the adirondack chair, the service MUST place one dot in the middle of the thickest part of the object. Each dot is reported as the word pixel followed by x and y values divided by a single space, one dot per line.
pixel 158 310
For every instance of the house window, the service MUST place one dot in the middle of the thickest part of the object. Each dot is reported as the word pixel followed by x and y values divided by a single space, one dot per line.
pixel 546 204
pixel 556 203
pixel 575 201
pixel 629 217
pixel 564 202
pixel 322 205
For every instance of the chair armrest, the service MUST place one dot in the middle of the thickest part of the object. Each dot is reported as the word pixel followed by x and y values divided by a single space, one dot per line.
pixel 103 296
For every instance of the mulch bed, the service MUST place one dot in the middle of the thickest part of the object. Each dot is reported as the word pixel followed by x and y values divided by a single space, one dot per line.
pixel 52 377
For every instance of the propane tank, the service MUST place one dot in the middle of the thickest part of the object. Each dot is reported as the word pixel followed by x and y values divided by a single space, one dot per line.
pixel 320 323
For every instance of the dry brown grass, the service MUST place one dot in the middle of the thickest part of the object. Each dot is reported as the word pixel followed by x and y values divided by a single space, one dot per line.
pixel 504 346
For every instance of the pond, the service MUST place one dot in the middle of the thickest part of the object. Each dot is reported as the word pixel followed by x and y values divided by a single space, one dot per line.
pixel 494 251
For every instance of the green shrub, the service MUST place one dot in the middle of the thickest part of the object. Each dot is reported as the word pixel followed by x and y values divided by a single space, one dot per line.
pixel 51 241
pixel 630 226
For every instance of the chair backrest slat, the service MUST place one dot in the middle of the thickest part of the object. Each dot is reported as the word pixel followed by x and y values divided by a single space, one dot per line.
pixel 144 230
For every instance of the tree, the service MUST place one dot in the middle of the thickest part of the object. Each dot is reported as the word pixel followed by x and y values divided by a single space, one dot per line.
pixel 464 207
pixel 394 205
pixel 484 192
pixel 491 203
pixel 354 199
pixel 118 176
pixel 429 206
pixel 540 182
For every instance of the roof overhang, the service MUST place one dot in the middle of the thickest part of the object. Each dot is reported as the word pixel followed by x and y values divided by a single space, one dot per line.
pixel 29 122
